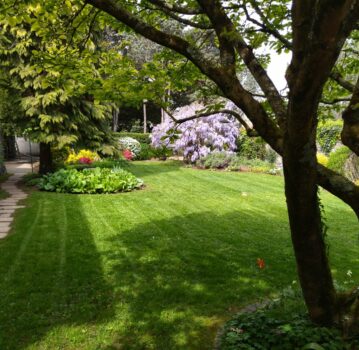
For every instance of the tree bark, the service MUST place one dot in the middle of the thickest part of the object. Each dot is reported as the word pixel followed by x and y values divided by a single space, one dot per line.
pixel 307 235
pixel 46 164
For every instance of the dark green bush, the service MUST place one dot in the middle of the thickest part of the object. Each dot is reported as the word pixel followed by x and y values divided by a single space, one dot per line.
pixel 147 152
pixel 328 134
pixel 251 147
pixel 338 158
pixel 95 180
pixel 141 138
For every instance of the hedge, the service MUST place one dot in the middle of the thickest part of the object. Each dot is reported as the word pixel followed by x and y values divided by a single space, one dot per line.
pixel 142 138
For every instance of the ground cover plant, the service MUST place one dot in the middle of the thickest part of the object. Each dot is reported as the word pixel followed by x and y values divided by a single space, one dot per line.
pixel 90 180
pixel 162 268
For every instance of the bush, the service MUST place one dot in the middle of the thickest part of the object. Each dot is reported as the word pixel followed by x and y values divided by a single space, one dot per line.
pixel 338 158
pixel 232 162
pixel 197 138
pixel 141 138
pixel 216 160
pixel 130 144
pixel 328 134
pixel 147 152
pixel 251 147
pixel 94 180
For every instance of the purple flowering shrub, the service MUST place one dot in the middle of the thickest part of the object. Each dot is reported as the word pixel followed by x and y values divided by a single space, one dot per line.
pixel 199 137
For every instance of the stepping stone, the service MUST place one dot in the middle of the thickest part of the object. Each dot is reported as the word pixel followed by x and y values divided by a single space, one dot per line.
pixel 9 219
pixel 5 207
pixel 3 234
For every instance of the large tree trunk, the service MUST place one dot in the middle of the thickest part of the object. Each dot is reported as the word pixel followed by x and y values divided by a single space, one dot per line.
pixel 46 164
pixel 299 161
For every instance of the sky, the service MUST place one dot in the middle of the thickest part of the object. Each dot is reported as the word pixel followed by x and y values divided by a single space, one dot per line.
pixel 277 68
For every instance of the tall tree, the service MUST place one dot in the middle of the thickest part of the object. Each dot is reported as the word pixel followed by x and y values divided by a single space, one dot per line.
pixel 315 32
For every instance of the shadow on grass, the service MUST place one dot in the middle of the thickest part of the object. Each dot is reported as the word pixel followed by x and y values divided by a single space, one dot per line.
pixel 50 274
pixel 182 277
pixel 173 280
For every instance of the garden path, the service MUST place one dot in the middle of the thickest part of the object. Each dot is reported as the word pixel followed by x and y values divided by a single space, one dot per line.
pixel 9 205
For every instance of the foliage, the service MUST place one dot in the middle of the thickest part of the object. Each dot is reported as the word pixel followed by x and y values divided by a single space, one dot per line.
pixel 128 143
pixel 279 326
pixel 147 152
pixel 338 158
pixel 197 138
pixel 83 156
pixel 91 180
pixel 103 163
pixel 328 134
pixel 322 159
pixel 251 147
pixel 233 162
pixel 142 138
pixel 136 127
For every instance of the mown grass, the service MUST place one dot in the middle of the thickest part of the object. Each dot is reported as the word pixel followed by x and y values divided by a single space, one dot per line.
pixel 160 268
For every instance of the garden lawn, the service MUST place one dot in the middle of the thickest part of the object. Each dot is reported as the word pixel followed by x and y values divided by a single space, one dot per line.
pixel 161 268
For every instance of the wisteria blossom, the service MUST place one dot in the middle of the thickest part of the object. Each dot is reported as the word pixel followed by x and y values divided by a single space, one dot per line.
pixel 197 138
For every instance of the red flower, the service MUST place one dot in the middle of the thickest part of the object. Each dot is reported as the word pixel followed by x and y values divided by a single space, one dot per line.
pixel 85 160
pixel 260 263
pixel 127 154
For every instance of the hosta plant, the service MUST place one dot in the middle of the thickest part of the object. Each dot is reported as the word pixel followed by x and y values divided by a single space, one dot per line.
pixel 92 180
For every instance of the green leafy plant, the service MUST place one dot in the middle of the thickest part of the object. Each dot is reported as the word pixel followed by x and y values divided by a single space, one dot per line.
pixel 281 324
pixel 93 180
pixel 338 158
pixel 251 147
pixel 328 134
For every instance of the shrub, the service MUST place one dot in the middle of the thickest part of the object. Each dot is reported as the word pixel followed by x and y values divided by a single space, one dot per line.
pixel 328 134
pixel 322 159
pixel 338 158
pixel 83 156
pixel 197 138
pixel 147 152
pixel 140 137
pixel 232 162
pixel 216 160
pixel 251 147
pixel 92 180
pixel 130 144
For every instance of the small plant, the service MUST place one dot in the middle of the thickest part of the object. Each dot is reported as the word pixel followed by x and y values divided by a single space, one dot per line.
pixel 93 180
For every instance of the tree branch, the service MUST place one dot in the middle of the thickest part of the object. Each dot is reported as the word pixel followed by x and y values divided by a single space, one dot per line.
pixel 180 19
pixel 176 8
pixel 207 114
pixel 336 76
pixel 227 31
